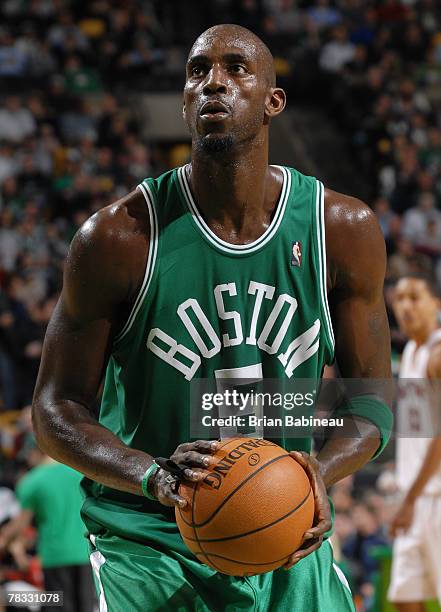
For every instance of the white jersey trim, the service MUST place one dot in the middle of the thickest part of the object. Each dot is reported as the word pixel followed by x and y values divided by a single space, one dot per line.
pixel 151 260
pixel 227 247
pixel 342 577
pixel 97 560
pixel 321 243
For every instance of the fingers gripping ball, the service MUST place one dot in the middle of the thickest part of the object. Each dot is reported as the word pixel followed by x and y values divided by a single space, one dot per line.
pixel 250 512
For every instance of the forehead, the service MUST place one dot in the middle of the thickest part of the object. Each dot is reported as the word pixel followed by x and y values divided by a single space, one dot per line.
pixel 213 44
pixel 414 286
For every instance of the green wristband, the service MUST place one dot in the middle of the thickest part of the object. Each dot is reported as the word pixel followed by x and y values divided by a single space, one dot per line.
pixel 145 481
pixel 374 410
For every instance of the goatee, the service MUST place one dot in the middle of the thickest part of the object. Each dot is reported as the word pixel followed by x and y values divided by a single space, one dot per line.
pixel 217 144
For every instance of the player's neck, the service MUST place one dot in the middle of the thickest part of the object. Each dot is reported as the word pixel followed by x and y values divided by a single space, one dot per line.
pixel 237 195
pixel 424 333
pixel 48 460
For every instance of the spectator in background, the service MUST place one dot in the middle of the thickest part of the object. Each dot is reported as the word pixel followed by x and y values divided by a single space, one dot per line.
pixel 77 122
pixel 65 36
pixel 407 169
pixel 429 154
pixel 8 370
pixel 49 494
pixel 422 224
pixel 41 63
pixel 10 243
pixel 322 15
pixel 33 182
pixel 13 60
pixel 338 52
pixel 358 548
pixel 428 73
pixel 8 165
pixel 413 44
pixel 406 260
pixel 139 163
pixel 9 506
pixel 16 122
pixel 80 79
pixel 388 220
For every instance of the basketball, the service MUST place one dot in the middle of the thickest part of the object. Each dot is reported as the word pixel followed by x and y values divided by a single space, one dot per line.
pixel 250 512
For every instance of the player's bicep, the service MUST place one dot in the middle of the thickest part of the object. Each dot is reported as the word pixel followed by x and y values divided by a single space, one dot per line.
pixel 358 255
pixel 362 339
pixel 74 356
pixel 93 286
pixel 79 334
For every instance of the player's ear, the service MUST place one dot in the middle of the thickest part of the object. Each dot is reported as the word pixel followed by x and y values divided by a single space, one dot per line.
pixel 183 111
pixel 275 102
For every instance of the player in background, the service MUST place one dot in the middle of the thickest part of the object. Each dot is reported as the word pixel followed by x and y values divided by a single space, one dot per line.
pixel 416 566
pixel 49 496
pixel 192 273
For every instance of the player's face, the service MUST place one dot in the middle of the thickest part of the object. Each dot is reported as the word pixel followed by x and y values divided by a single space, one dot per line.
pixel 225 91
pixel 415 308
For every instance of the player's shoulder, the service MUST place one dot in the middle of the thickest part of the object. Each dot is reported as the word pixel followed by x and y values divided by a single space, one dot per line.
pixel 117 221
pixel 114 231
pixel 347 212
pixel 107 255
pixel 354 242
pixel 350 221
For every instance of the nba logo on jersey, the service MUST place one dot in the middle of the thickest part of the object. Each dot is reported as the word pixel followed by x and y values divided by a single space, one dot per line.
pixel 296 254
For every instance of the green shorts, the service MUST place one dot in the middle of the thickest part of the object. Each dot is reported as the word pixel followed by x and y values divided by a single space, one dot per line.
pixel 133 577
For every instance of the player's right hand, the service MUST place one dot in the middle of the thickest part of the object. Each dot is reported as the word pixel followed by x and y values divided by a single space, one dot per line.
pixel 194 458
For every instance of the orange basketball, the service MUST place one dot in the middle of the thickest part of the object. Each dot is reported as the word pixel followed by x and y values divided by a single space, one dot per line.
pixel 250 512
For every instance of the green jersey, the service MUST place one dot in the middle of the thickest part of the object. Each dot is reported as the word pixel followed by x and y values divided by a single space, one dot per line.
pixel 210 309
pixel 51 491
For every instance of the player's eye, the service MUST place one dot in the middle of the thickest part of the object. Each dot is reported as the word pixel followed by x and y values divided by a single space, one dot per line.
pixel 197 70
pixel 238 69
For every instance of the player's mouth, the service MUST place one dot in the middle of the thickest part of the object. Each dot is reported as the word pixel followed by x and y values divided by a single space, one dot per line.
pixel 407 319
pixel 214 111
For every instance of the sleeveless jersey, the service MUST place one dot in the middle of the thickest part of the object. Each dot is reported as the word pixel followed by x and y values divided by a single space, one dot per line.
pixel 207 307
pixel 418 415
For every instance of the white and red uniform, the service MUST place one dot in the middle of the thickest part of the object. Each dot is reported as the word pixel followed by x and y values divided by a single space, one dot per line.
pixel 416 564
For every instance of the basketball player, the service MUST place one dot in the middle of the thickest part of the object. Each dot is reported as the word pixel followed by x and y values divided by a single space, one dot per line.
pixel 416 572
pixel 190 274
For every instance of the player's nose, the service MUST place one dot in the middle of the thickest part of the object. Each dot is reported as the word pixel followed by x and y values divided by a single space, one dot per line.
pixel 215 81
pixel 406 309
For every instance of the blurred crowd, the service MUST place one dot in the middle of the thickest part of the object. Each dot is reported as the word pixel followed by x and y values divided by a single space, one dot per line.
pixel 381 63
pixel 365 504
pixel 70 144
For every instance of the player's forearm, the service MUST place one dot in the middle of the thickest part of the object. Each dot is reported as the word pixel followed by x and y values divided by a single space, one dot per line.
pixel 343 455
pixel 428 469
pixel 68 432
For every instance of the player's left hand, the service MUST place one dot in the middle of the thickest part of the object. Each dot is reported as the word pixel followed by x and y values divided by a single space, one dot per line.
pixel 403 518
pixel 313 538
